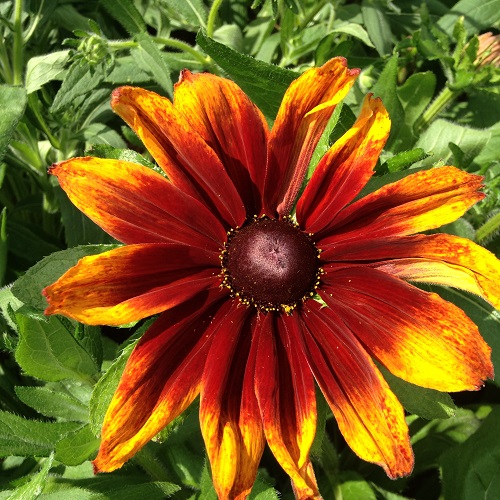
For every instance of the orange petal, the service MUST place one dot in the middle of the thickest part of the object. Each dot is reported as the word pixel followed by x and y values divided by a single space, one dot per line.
pixel 417 335
pixel 369 416
pixel 131 283
pixel 419 202
pixel 285 391
pixel 232 126
pixel 229 414
pixel 306 108
pixel 134 204
pixel 345 169
pixel 187 159
pixel 161 379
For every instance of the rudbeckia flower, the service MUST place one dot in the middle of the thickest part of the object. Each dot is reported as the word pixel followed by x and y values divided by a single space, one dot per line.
pixel 262 296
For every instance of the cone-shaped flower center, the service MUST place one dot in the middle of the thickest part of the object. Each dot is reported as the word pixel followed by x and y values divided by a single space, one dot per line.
pixel 271 264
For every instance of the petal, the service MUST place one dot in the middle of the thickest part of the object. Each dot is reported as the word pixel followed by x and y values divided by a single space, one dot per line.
pixel 369 416
pixel 229 414
pixel 440 259
pixel 421 201
pixel 285 391
pixel 232 126
pixel 345 168
pixel 161 379
pixel 131 283
pixel 186 158
pixel 306 108
pixel 417 335
pixel 134 204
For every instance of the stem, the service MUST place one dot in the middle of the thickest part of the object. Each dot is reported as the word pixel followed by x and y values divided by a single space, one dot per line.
pixel 443 100
pixel 310 15
pixel 488 229
pixel 177 44
pixel 17 56
pixel 212 15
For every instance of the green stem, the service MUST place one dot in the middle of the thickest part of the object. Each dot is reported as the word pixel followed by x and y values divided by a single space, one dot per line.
pixel 212 16
pixel 442 101
pixel 6 71
pixel 310 15
pixel 488 229
pixel 177 44
pixel 17 59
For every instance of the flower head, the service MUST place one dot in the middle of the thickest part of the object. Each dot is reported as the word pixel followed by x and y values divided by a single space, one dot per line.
pixel 258 306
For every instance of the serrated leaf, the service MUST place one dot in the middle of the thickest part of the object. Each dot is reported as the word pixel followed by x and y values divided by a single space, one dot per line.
pixel 125 12
pixel 53 404
pixel 77 447
pixel 43 69
pixel 28 288
pixel 48 351
pixel 33 489
pixel 23 437
pixel 12 103
pixel 264 83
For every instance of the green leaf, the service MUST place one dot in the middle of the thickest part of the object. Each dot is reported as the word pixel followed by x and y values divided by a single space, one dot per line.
pixel 377 26
pixel 192 12
pixel 405 160
pixel 32 489
pixel 9 304
pixel 354 30
pixel 426 403
pixel 477 15
pixel 28 288
pixel 99 133
pixel 48 351
pixel 77 447
pixel 43 69
pixel 105 151
pixel 19 436
pixel 12 104
pixel 149 58
pixel 354 487
pixel 264 83
pixel 471 471
pixel 53 404
pixel 125 12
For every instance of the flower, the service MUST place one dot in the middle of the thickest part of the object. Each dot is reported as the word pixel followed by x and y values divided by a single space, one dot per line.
pixel 257 306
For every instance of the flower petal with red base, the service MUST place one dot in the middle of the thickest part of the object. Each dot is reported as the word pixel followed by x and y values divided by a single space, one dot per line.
pixel 304 112
pixel 285 391
pixel 131 283
pixel 345 169
pixel 232 126
pixel 187 159
pixel 419 202
pixel 134 204
pixel 417 335
pixel 161 379
pixel 229 414
pixel 368 414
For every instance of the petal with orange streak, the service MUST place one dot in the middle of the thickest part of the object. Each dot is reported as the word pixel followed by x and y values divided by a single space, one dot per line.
pixel 368 414
pixel 345 169
pixel 161 379
pixel 417 335
pixel 190 163
pixel 131 283
pixel 134 204
pixel 304 112
pixel 440 259
pixel 232 126
pixel 285 391
pixel 419 202
pixel 229 414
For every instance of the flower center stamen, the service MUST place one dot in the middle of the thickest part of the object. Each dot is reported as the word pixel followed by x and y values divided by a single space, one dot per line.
pixel 271 264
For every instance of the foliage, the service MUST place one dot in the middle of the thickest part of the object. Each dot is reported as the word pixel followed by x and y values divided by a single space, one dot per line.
pixel 59 61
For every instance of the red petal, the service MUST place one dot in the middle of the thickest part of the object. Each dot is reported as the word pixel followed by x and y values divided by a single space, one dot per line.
pixel 285 391
pixel 417 335
pixel 232 126
pixel 132 282
pixel 137 205
pixel 161 379
pixel 345 168
pixel 189 162
pixel 306 108
pixel 369 416
pixel 229 414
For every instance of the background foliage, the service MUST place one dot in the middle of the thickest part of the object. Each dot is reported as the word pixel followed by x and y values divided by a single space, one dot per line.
pixel 59 61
